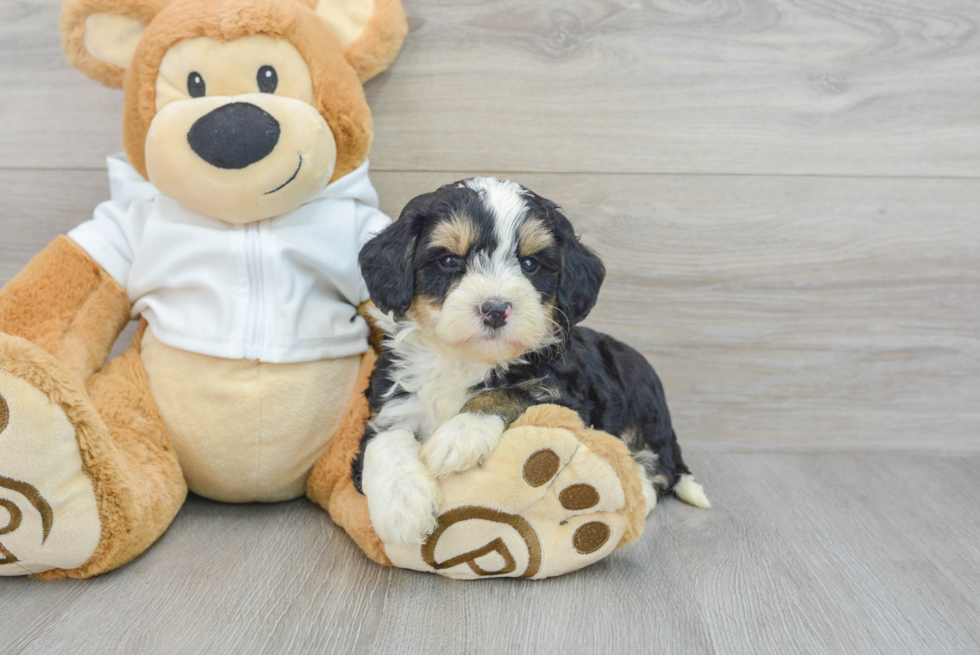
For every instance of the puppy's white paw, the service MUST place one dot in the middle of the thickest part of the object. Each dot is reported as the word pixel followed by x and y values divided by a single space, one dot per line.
pixel 461 443
pixel 408 516
pixel 402 495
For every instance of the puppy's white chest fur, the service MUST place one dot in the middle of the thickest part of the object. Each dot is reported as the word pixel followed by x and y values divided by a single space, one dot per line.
pixel 437 384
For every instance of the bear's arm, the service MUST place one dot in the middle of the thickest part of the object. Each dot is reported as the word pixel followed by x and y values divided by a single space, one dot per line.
pixel 67 304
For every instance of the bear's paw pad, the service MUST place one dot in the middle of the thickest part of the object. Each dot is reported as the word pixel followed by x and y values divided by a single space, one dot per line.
pixel 542 504
pixel 49 516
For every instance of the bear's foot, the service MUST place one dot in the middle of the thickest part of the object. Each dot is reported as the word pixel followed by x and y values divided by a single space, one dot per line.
pixel 49 517
pixel 553 497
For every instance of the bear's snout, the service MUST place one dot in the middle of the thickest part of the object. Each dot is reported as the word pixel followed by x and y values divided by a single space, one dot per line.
pixel 234 135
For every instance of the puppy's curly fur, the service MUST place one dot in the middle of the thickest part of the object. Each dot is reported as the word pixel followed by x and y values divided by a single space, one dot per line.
pixel 480 287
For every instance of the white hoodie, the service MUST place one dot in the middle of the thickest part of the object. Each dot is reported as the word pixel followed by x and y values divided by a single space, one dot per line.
pixel 280 290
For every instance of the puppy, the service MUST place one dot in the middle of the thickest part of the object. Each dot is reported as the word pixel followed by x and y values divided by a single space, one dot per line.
pixel 481 284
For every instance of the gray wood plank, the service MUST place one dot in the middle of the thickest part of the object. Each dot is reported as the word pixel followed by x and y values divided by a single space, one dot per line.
pixel 783 313
pixel 638 600
pixel 244 579
pixel 279 578
pixel 755 86
pixel 53 116
pixel 801 554
pixel 835 553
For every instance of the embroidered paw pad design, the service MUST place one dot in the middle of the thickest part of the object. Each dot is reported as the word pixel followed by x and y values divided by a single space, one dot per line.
pixel 48 509
pixel 26 491
pixel 542 504
pixel 539 469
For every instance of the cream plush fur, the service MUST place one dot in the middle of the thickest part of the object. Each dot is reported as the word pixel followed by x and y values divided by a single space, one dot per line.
pixel 59 512
pixel 245 430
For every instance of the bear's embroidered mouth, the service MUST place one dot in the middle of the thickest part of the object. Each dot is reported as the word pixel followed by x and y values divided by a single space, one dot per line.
pixel 293 177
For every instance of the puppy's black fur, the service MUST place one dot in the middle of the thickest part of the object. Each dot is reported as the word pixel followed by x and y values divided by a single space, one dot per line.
pixel 610 385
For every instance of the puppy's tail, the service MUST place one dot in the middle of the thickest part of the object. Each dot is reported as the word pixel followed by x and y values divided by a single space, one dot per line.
pixel 691 492
pixel 664 472
pixel 685 486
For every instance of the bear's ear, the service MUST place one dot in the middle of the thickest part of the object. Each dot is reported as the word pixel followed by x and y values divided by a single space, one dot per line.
pixel 370 31
pixel 99 37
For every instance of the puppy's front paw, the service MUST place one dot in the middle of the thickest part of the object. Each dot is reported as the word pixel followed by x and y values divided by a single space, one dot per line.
pixel 461 443
pixel 402 495
pixel 408 516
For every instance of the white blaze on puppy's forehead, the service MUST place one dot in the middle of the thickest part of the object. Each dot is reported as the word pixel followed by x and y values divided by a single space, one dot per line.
pixel 505 200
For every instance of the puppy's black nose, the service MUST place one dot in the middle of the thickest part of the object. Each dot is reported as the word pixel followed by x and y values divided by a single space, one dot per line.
pixel 495 313
pixel 234 135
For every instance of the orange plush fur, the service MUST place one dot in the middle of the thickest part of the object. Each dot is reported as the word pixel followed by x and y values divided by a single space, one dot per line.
pixel 66 304
pixel 330 484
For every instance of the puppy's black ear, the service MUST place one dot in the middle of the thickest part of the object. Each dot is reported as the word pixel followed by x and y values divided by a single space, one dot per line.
pixel 387 260
pixel 582 274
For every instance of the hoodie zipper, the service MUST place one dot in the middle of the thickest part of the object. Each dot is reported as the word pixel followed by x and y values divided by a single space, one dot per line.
pixel 254 326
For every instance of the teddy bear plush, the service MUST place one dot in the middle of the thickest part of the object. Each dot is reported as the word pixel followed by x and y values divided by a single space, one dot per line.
pixel 232 234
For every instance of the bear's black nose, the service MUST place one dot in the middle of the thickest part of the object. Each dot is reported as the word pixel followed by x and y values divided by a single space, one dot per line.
pixel 234 135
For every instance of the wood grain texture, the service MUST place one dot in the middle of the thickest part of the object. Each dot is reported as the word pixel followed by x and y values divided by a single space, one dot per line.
pixel 836 554
pixel 801 554
pixel 638 600
pixel 244 579
pixel 717 86
pixel 783 313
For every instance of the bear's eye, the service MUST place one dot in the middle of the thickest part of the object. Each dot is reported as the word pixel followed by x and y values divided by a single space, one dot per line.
pixel 195 85
pixel 268 79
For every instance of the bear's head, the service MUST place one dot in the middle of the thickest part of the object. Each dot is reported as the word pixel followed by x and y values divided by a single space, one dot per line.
pixel 239 109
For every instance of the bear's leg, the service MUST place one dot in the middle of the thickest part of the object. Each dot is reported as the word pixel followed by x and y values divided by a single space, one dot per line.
pixel 330 485
pixel 88 477
pixel 553 497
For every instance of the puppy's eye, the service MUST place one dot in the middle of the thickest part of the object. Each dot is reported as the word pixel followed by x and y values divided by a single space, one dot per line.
pixel 529 264
pixel 449 263
pixel 268 79
pixel 195 85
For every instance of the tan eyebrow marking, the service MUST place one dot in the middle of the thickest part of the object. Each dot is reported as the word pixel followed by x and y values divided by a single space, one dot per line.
pixel 456 235
pixel 533 236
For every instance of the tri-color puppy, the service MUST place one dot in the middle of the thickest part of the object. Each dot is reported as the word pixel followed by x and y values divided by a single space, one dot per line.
pixel 481 284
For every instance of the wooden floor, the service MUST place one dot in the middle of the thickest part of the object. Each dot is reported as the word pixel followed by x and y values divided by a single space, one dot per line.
pixel 787 196
pixel 801 554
